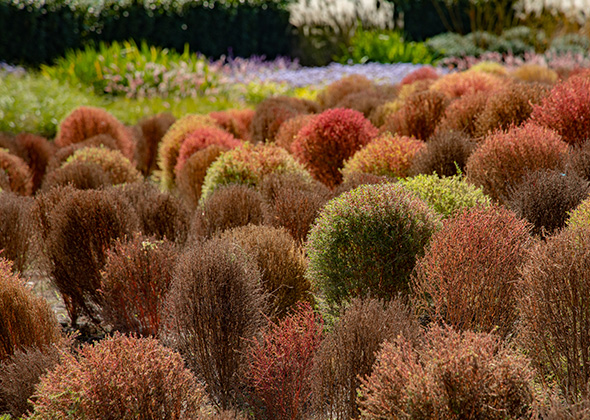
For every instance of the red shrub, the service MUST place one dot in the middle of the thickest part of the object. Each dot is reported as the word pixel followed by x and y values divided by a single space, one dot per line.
pixel 151 131
pixel 454 85
pixel 329 139
pixel 86 122
pixel 418 116
pixel 279 365
pixel 503 158
pixel 452 375
pixel 466 277
pixel 135 279
pixel 462 113
pixel 18 172
pixel 120 378
pixel 567 110
pixel 336 91
pixel 423 73
pixel 201 138
pixel 235 121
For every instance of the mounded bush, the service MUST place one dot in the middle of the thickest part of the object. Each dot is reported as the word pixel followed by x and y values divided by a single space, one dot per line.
pixel 455 85
pixel 281 262
pixel 85 122
pixel 423 73
pixel 214 310
pixel 389 155
pixel 134 282
pixel 119 377
pixel 503 158
pixel 63 153
pixel 554 310
pixel 466 277
pixel 446 195
pixel 445 154
pixel 462 113
pixel 349 350
pixel 329 140
pixel 357 179
pixel 366 241
pixel 237 122
pixel 117 166
pixel 453 375
pixel 579 161
pixel 288 130
pixel 336 91
pixel 367 102
pixel 535 73
pixel 152 130
pixel 19 174
pixel 579 216
pixel 36 152
pixel 545 197
pixel 81 175
pixel 248 165
pixel 16 229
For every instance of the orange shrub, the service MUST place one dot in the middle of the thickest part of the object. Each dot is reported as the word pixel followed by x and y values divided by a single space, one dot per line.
pixel 423 73
pixel 462 113
pixel 289 129
pixel 235 121
pixel 336 91
pixel 455 85
pixel 37 151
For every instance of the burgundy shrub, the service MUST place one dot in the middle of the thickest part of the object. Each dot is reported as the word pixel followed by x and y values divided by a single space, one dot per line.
pixel 151 130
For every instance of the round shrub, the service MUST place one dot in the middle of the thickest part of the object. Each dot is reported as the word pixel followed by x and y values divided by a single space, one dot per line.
pixel 62 154
pixel 16 229
pixel 580 215
pixel 451 376
pixel 172 142
pixel 201 138
pixel 81 175
pixel 466 277
pixel 119 377
pixel 357 179
pixel 389 155
pixel 418 116
pixel 461 114
pixel 229 206
pixel 555 311
pixel 248 165
pixel 578 162
pixel 215 308
pixel 445 154
pixel 500 162
pixel 237 122
pixel 545 197
pixel 135 279
pixel 19 174
pixel 567 110
pixel 192 175
pixel 455 85
pixel 336 91
pixel 490 67
pixel 535 73
pixel 446 195
pixel 27 320
pixel 289 129
pixel 85 122
pixel 117 166
pixel 36 153
pixel 365 242
pixel 273 112
pixel 151 131
pixel 367 101
pixel 330 139
pixel 423 73
pixel 281 262
pixel 349 350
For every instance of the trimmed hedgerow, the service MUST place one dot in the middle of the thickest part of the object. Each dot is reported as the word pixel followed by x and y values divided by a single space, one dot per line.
pixel 566 109
pixel 446 195
pixel 16 229
pixel 545 197
pixel 503 158
pixel 135 279
pixel 248 165
pixel 85 122
pixel 466 277
pixel 27 320
pixel 445 154
pixel 152 130
pixel 237 122
pixel 279 364
pixel 555 312
pixel 329 140
pixel 348 353
pixel 389 155
pixel 117 166
pixel 19 174
pixel 336 91
pixel 214 308
pixel 451 376
pixel 281 262
pixel 365 242
pixel 119 377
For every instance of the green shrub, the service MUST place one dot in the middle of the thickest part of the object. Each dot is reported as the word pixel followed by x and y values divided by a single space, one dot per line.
pixel 365 242
pixel 446 195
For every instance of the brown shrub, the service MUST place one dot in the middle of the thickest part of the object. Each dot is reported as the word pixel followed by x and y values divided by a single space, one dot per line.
pixel 27 320
pixel 578 162
pixel 81 175
pixel 135 279
pixel 16 229
pixel 85 122
pixel 215 307
pixel 293 202
pixel 120 378
pixel 445 154
pixel 462 113
pixel 366 101
pixel 336 91
pixel 119 168
pixel 289 129
pixel 161 214
pixel 152 129
pixel 192 175
pixel 349 351
pixel 37 151
pixel 357 179
pixel 281 262
pixel 555 311
pixel 229 206
pixel 235 121
pixel 466 277
pixel 4 181
pixel 451 376
pixel 19 174
pixel 273 112
pixel 62 154
pixel 81 228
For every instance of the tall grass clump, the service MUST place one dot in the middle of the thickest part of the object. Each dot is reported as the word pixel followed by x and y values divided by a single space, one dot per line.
pixel 365 242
